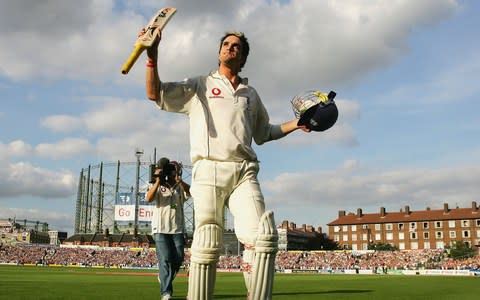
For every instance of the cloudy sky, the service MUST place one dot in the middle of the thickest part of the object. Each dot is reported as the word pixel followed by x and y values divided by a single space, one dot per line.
pixel 404 72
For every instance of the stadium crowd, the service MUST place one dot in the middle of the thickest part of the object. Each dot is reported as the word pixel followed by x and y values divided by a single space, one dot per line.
pixel 294 260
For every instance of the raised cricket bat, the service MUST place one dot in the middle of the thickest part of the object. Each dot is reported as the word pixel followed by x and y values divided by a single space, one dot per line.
pixel 146 40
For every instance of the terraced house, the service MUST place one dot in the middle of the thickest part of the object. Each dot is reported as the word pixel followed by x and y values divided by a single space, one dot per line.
pixel 406 229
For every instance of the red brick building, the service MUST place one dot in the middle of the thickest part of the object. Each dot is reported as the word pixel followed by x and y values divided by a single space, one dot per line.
pixel 425 229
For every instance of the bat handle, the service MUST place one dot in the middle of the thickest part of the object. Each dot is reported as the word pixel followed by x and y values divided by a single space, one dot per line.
pixel 132 58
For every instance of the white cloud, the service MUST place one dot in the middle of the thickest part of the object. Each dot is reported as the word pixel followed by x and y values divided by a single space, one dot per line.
pixel 321 194
pixel 15 148
pixel 61 31
pixel 351 164
pixel 311 38
pixel 117 116
pixel 22 178
pixel 62 123
pixel 66 148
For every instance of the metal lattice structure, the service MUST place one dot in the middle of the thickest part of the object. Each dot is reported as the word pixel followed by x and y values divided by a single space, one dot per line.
pixel 102 187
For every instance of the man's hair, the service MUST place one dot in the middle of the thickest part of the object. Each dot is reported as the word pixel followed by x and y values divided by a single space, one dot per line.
pixel 243 41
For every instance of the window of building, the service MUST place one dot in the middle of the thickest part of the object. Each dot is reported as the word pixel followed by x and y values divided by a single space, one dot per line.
pixel 413 225
pixel 478 234
pixel 426 235
pixel 414 245
pixel 426 245
pixel 336 228
pixel 365 226
pixel 377 237
pixel 413 235
pixel 336 238
pixel 425 225
pixel 344 228
pixel 465 223
pixel 466 233
pixel 345 237
pixel 378 226
pixel 452 234
pixel 400 226
pixel 354 237
pixel 354 227
pixel 354 247
pixel 439 245
pixel 389 236
pixel 439 235
pixel 364 237
pixel 364 246
pixel 438 224
pixel 401 236
pixel 389 226
pixel 477 222
pixel 451 224
pixel 401 246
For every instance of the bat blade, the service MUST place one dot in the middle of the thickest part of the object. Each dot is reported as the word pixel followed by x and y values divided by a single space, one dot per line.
pixel 156 24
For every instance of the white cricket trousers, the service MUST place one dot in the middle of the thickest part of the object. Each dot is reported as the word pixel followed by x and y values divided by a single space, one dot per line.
pixel 218 184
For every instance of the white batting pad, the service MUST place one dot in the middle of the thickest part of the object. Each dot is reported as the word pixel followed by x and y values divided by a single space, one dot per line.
pixel 266 246
pixel 206 246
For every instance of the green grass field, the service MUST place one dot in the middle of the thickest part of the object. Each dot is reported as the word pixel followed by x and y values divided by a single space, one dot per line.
pixel 82 283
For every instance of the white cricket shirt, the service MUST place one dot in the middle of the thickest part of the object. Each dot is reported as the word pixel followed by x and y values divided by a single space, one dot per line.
pixel 223 121
pixel 168 215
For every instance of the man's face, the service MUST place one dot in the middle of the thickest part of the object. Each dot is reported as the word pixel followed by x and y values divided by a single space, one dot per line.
pixel 231 51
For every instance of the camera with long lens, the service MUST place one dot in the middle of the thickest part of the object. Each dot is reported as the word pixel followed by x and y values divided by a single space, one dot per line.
pixel 170 169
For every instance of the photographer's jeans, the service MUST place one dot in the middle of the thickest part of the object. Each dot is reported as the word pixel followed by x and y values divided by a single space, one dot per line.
pixel 170 255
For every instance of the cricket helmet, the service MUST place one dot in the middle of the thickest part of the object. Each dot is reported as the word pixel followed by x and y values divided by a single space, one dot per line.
pixel 316 110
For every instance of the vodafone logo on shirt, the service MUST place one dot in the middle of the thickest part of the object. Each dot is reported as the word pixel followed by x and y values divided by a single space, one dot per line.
pixel 216 93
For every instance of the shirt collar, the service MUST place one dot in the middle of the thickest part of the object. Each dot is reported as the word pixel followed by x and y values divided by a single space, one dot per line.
pixel 216 74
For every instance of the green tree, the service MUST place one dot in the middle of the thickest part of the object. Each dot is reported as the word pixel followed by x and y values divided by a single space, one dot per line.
pixel 460 250
pixel 382 247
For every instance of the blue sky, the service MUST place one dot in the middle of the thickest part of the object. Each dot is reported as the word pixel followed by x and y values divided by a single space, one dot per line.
pixel 405 73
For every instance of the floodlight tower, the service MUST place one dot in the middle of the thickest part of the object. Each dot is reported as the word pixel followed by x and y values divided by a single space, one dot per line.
pixel 138 154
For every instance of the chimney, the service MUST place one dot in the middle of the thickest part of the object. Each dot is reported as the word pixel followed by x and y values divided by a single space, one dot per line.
pixel 285 224
pixel 359 212
pixel 445 208
pixel 428 208
pixel 319 229
pixel 304 227
pixel 341 213
pixel 382 211
pixel 474 206
pixel 407 209
pixel 293 226
pixel 310 228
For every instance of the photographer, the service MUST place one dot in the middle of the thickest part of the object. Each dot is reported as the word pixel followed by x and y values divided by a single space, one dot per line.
pixel 169 192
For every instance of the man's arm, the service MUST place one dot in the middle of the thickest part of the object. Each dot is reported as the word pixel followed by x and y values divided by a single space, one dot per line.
pixel 186 189
pixel 154 188
pixel 151 74
pixel 185 186
pixel 291 126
